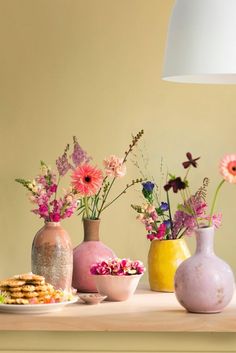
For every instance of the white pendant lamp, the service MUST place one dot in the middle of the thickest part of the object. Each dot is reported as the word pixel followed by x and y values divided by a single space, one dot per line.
pixel 201 44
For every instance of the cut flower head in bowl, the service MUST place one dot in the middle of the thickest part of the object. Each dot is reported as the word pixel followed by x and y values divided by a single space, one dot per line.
pixel 117 278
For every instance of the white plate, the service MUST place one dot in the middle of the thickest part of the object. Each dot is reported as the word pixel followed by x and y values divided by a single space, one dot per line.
pixel 34 308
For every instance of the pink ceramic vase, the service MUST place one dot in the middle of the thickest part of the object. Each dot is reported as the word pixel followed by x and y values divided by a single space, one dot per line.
pixel 117 288
pixel 90 251
pixel 52 255
pixel 204 283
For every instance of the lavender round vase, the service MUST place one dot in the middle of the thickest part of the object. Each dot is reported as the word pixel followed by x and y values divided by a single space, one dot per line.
pixel 204 283
pixel 90 251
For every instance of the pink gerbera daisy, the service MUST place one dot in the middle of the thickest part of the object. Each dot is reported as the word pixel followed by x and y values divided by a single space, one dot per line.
pixel 228 168
pixel 87 180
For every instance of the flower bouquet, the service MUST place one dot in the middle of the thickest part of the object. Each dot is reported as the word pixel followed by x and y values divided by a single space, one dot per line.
pixel 51 254
pixel 214 276
pixel 117 279
pixel 92 186
pixel 157 215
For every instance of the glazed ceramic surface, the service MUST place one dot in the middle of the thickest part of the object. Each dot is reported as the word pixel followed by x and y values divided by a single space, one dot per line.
pixel 204 283
pixel 163 260
pixel 90 251
pixel 117 288
pixel 52 255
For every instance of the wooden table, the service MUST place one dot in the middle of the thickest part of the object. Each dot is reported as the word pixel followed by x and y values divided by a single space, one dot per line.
pixel 149 322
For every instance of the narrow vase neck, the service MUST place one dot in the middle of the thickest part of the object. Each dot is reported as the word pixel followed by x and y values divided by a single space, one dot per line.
pixel 205 240
pixel 52 224
pixel 91 229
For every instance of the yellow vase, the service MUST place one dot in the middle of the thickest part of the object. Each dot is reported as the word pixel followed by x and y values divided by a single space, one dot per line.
pixel 163 260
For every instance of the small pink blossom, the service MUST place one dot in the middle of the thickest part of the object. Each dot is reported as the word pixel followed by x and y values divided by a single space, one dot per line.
pixel 154 216
pixel 114 167
pixel 161 231
pixel 151 236
pixel 117 267
pixel 53 188
pixel 151 209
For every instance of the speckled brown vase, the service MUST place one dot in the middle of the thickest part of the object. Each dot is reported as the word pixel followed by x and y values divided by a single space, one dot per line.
pixel 204 283
pixel 52 255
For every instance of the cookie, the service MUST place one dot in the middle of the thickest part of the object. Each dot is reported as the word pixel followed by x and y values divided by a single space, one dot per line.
pixel 42 288
pixel 11 283
pixel 28 288
pixel 16 295
pixel 14 289
pixel 9 301
pixel 2 289
pixel 36 283
pixel 30 294
pixel 29 277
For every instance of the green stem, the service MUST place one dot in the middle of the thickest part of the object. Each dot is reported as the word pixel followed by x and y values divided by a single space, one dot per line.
pixel 86 207
pixel 214 201
pixel 119 195
pixel 171 222
pixel 105 197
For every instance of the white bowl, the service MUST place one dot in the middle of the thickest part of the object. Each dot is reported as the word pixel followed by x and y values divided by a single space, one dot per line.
pixel 117 288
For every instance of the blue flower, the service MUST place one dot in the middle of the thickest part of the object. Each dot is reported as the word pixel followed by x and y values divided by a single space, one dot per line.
pixel 167 223
pixel 148 186
pixel 164 206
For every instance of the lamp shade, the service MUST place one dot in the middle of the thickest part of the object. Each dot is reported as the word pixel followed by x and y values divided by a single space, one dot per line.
pixel 201 43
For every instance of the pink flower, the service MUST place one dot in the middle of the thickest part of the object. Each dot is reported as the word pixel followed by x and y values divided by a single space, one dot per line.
pixel 53 188
pixel 117 267
pixel 161 231
pixel 228 168
pixel 55 217
pixel 114 166
pixel 43 210
pixel 216 220
pixel 154 215
pixel 87 180
pixel 151 236
pixel 151 209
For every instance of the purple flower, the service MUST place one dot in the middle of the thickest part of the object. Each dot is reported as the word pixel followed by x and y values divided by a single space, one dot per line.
pixel 191 161
pixel 164 206
pixel 79 156
pixel 63 165
pixel 148 186
pixel 177 184
pixel 167 223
